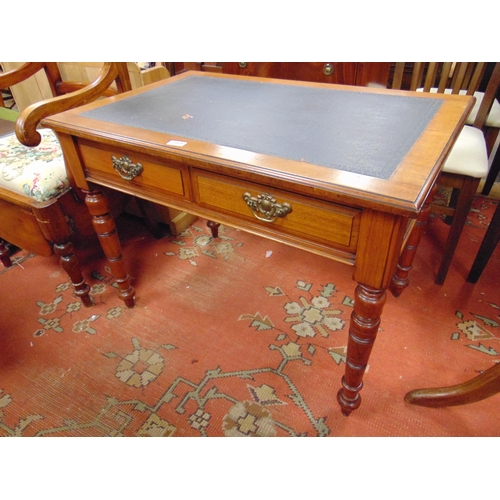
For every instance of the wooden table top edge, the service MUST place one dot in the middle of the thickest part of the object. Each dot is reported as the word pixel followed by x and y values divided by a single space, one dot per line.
pixel 232 160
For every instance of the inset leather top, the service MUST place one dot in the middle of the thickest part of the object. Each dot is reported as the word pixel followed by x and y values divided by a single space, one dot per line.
pixel 359 132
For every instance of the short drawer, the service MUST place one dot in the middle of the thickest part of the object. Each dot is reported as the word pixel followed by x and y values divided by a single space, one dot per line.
pixel 136 172
pixel 287 213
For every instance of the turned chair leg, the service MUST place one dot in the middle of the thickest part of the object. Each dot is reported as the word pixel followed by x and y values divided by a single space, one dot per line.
pixel 56 229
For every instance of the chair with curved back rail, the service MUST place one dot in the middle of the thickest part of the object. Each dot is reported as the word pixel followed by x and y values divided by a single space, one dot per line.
pixel 468 161
pixel 40 211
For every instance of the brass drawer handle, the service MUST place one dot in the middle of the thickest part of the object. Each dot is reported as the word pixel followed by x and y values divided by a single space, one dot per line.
pixel 265 208
pixel 127 170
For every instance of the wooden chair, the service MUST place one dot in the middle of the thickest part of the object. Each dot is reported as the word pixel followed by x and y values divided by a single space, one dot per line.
pixel 40 211
pixel 467 162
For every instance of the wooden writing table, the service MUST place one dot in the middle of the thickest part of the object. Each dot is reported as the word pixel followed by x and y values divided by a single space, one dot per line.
pixel 335 170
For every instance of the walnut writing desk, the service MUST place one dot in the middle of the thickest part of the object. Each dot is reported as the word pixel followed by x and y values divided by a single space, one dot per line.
pixel 336 170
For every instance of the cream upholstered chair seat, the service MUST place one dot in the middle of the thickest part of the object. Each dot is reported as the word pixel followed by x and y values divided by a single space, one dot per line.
pixel 468 155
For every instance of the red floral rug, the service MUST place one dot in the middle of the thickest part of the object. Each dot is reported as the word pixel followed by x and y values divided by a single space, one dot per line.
pixel 239 336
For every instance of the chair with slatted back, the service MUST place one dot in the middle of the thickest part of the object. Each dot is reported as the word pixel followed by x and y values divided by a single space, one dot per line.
pixel 468 161
pixel 39 209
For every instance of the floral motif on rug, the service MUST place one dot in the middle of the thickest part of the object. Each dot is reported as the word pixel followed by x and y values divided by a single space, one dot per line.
pixel 302 328
pixel 269 365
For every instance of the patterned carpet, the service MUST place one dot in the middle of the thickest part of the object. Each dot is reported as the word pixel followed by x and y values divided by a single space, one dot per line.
pixel 239 336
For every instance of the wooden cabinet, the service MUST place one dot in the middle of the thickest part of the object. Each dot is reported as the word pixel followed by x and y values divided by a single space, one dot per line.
pixel 343 73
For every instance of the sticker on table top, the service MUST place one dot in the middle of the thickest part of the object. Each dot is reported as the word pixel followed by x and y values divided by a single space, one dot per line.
pixel 176 143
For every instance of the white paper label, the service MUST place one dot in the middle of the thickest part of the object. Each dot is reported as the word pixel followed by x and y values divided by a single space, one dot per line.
pixel 176 143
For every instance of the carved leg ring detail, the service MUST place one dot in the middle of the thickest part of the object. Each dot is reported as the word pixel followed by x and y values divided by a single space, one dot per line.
pixel 69 262
pixel 365 321
pixel 105 228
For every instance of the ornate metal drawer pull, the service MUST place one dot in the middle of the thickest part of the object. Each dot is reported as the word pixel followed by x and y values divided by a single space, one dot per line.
pixel 265 208
pixel 126 168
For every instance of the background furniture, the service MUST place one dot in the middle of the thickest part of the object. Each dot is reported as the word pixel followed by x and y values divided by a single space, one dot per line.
pixel 346 73
pixel 468 160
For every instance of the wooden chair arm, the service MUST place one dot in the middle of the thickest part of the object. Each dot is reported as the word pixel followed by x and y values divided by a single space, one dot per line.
pixel 31 117
pixel 18 75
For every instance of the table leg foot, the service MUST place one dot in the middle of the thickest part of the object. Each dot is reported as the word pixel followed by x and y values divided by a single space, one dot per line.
pixel 214 228
pixel 105 228
pixel 349 399
pixel 365 321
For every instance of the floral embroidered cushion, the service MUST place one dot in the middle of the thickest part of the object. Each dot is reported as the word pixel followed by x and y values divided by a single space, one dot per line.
pixel 37 172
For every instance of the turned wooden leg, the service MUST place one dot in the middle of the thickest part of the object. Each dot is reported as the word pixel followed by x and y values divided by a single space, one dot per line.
pixel 365 321
pixel 400 279
pixel 214 227
pixel 481 387
pixel 4 255
pixel 105 228
pixel 69 262
pixel 56 229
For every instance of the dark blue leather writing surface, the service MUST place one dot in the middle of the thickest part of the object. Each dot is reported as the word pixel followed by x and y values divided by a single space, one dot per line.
pixel 361 132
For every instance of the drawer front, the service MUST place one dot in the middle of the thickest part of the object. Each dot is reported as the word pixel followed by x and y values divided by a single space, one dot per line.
pixel 295 215
pixel 135 172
